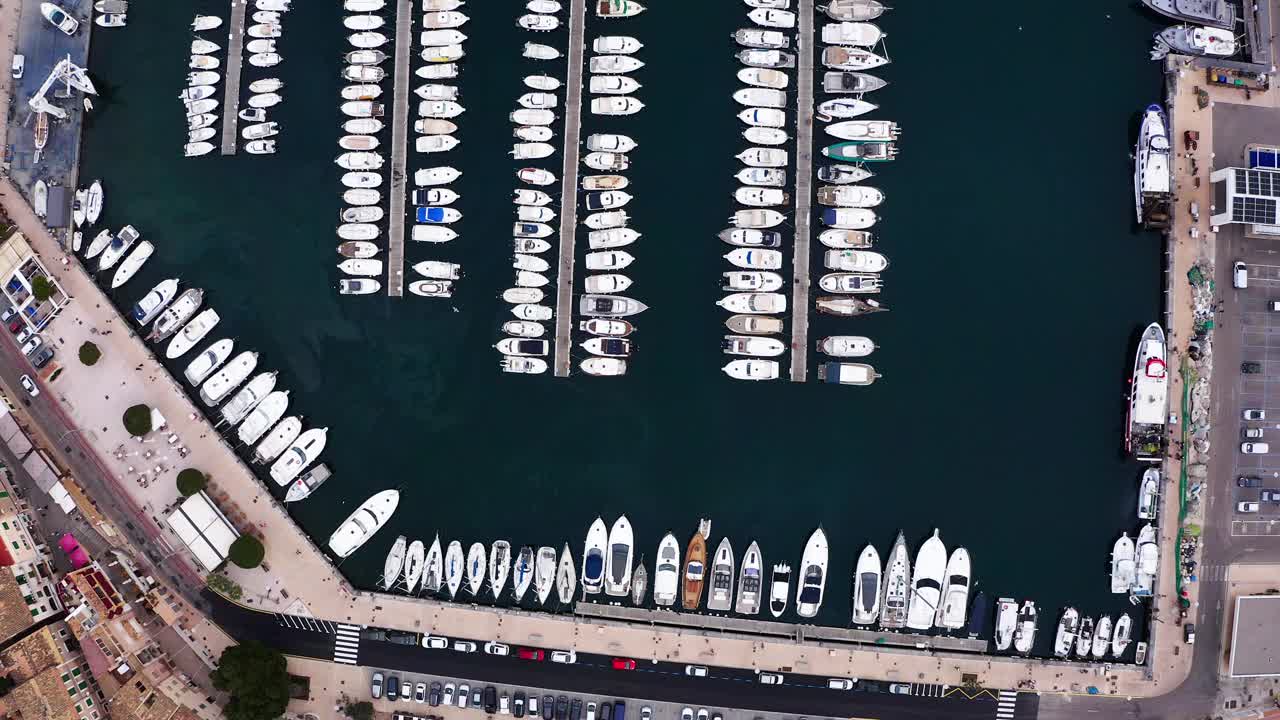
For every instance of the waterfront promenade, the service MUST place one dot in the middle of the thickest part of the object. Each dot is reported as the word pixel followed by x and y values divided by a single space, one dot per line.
pixel 569 190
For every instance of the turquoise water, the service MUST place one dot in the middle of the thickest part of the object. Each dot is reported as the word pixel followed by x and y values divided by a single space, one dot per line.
pixel 1017 288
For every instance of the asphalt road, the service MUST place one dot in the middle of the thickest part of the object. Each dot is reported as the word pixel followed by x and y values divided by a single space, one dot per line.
pixel 592 675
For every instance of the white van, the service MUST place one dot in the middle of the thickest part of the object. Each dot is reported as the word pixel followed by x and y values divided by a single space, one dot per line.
pixel 1240 275
pixel 19 66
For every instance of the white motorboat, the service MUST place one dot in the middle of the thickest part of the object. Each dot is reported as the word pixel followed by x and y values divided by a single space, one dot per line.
pixel 606 328
pixel 536 176
pixel 304 451
pixel 532 116
pixel 618 8
pixel 131 264
pixel 775 4
pixel 260 46
pixel 200 46
pixel 442 53
pixel 841 57
pixel 254 392
pixel 205 22
pixel 611 238
pixel 1068 629
pixel 1102 637
pixel 609 306
pixel 851 82
pixel 1152 170
pixel 762 39
pixel 609 142
pixel 361 180
pixel 521 347
pixel 609 260
pixel 536 51
pixel 607 346
pixel 604 366
pixel 475 568
pixel 754 57
pixel 853 10
pixel 358 231
pixel 190 94
pixel 203 62
pixel 750 581
pixel 265 60
pixel 533 133
pixel 444 19
pixel 864 130
pixel 926 583
pixel 773 18
pixel 614 64
pixel 607 283
pixel 753 196
pixel 260 130
pixel 364 6
pixel 434 196
pixel 155 301
pixel 955 596
pixel 763 117
pixel 751 369
pixel 197 149
pixel 454 567
pixel 612 85
pixel 178 313
pixel 751 281
pixel 363 523
pixel 358 286
pixel 616 105
pixel 365 57
pixel 720 595
pixel 1147 552
pixel 753 346
pixel 394 563
pixel 751 237
pixel 438 270
pixel 1120 635
pixel 760 97
pixel 616 45
pixel 265 17
pixel 604 182
pixel 544 573
pixel 843 373
pixel 532 263
pixel 264 30
pixel 666 577
pixel 436 91
pixel 538 23
pixel 1084 638
pixel 534 213
pixel 762 177
pixel 308 483
pixel 363 73
pixel 92 205
pixel 1024 637
pixel 1148 494
pixel 117 247
pixel 360 196
pixel 210 360
pixel 367 40
pixel 606 220
pixel 362 22
pixel 229 378
pixel 252 114
pixel 593 557
pixel 435 143
pixel 858 34
pixel 755 258
pixel 846 346
pixel 433 568
pixel 849 218
pixel 440 109
pixel 779 589
pixel 358 248
pixel 442 175
pixel 361 267
pixel 522 572
pixel 764 78
pixel 201 107
pixel 763 157
pixel 432 233
pixel 545 83
pixel 847 282
pixel 607 162
pixel 413 564
pixel 192 333
pixel 1123 565
pixel 839 239
pixel 531 150
pixel 499 566
pixel 523 328
pixel 265 100
pixel 867 588
pixel 850 196
pixel 844 108
pixel 361 92
pixel 813 574
pixel 754 303
pixel 618 559
pixel 1006 623
pixel 358 143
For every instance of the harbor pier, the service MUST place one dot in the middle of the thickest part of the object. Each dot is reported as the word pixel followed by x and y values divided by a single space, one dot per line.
pixel 399 150
pixel 231 88
pixel 804 180
pixel 569 189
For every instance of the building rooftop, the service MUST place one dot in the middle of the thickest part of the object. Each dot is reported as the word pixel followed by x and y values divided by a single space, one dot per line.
pixel 15 616
pixel 31 655
pixel 204 529
pixel 1255 637
pixel 43 697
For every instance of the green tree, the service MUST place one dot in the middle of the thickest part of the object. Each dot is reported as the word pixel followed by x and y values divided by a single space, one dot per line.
pixel 256 680
pixel 246 552
pixel 137 420
pixel 191 481
pixel 359 711
pixel 89 353
pixel 42 288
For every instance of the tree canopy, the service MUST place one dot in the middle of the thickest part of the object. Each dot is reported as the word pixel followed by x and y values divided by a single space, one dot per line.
pixel 89 353
pixel 191 481
pixel 137 420
pixel 42 288
pixel 255 678
pixel 246 552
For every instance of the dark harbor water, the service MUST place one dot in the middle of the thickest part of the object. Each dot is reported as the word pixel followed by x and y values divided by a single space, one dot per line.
pixel 1017 289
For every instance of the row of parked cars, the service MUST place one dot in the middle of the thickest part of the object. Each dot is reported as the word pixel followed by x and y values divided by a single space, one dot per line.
pixel 33 346
pixel 1253 448
pixel 518 704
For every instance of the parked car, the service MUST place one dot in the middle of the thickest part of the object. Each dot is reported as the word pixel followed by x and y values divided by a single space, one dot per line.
pixel 406 690
pixel 1253 433
pixel 1245 481
pixel 548 707
pixel 29 385
pixel 770 678
pixel 435 642
pixel 401 637
pixel 464 694
pixel 420 692
pixel 646 713
pixel 1255 414
pixel 447 697
pixel 606 711
pixel 24 334
pixel 530 654
pixel 464 646
pixel 624 664
pixel 17 70
pixel 1270 496
pixel 686 714
pixel 497 648
pixel 375 686
pixel 1189 633
pixel 490 699
pixel 562 708
pixel 567 657
pixel 1251 368
pixel 1246 506
pixel 575 709
pixel 1254 448
pixel 591 711
pixel 393 688
pixel 477 697
pixel 1240 275
pixel 30 346
pixel 900 688
pixel 433 696
pixel 504 704
pixel 15 325
pixel 703 714
pixel 533 705
pixel 695 670
pixel 839 684
pixel 517 704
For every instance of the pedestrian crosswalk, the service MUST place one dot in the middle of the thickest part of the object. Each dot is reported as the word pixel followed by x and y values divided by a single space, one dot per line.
pixel 1211 573
pixel 346 644
pixel 1005 705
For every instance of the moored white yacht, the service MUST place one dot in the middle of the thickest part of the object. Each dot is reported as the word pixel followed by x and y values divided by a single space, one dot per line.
pixel 897 585
pixel 720 597
pixel 750 581
pixel 192 333
pixel 617 578
pixel 544 573
pixel 261 418
pixel 1006 622
pixel 813 575
pixel 1148 397
pixel 1147 552
pixel 779 589
pixel 499 566
pixel 454 568
pixel 522 572
pixel 867 586
pixel 566 579
pixel 475 568
pixel 955 595
pixel 1148 493
pixel 593 557
pixel 666 576
pixel 1068 629
pixel 1152 170
pixel 394 563
pixel 363 523
pixel 926 583
pixel 1024 637
pixel 155 301
pixel 413 563
pixel 301 453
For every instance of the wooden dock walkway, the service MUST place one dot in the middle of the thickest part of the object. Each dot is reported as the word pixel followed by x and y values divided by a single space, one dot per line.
pixel 231 96
pixel 722 626
pixel 804 180
pixel 399 149
pixel 569 188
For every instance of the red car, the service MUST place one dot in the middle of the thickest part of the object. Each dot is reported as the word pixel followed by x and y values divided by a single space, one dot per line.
pixel 15 325
pixel 530 654
pixel 624 664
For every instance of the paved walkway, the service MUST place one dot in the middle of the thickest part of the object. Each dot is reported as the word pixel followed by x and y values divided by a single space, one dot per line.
pixel 804 191
pixel 569 190
pixel 235 58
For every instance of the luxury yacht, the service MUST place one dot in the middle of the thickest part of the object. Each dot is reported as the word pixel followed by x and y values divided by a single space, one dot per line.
pixel 666 576
pixel 926 583
pixel 617 578
pixel 363 523
pixel 897 586
pixel 1006 622
pixel 813 575
pixel 866 586
pixel 955 595
pixel 593 557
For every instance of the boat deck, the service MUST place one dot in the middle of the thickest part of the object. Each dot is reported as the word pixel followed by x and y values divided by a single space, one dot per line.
pixel 804 181
pixel 231 88
pixel 569 190
pixel 399 149
pixel 722 626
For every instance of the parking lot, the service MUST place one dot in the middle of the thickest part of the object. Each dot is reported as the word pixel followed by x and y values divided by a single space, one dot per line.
pixel 1259 332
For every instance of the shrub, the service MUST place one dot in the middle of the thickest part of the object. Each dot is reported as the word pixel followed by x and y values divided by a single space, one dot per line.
pixel 224 585
pixel 359 711
pixel 191 481
pixel 89 353
pixel 137 420
pixel 41 288
pixel 246 552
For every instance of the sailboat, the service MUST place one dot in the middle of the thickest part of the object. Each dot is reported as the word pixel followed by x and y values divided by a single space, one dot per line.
pixel 750 581
pixel 639 583
pixel 926 583
pixel 433 568
pixel 1068 626
pixel 413 564
pixel 866 586
pixel 666 575
pixel 695 562
pixel 1006 622
pixel 813 575
pixel 363 523
pixel 1024 638
pixel 499 566
pixel 721 595
pixel 522 572
pixel 897 584
pixel 593 557
pixel 394 562
pixel 544 572
pixel 475 568
pixel 566 578
pixel 617 578
pixel 454 567
pixel 955 596
pixel 779 589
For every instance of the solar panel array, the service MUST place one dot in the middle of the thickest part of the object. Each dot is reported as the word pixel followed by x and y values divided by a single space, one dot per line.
pixel 1254 197
pixel 1264 158
pixel 1257 211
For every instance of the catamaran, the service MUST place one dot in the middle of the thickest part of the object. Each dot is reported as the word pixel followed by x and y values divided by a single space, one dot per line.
pixel 813 575
pixel 866 586
pixel 926 584
pixel 363 523
pixel 593 557
pixel 1148 397
pixel 750 581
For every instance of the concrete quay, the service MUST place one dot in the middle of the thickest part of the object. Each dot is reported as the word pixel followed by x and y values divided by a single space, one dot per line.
pixel 231 81
pixel 569 190
pixel 804 194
